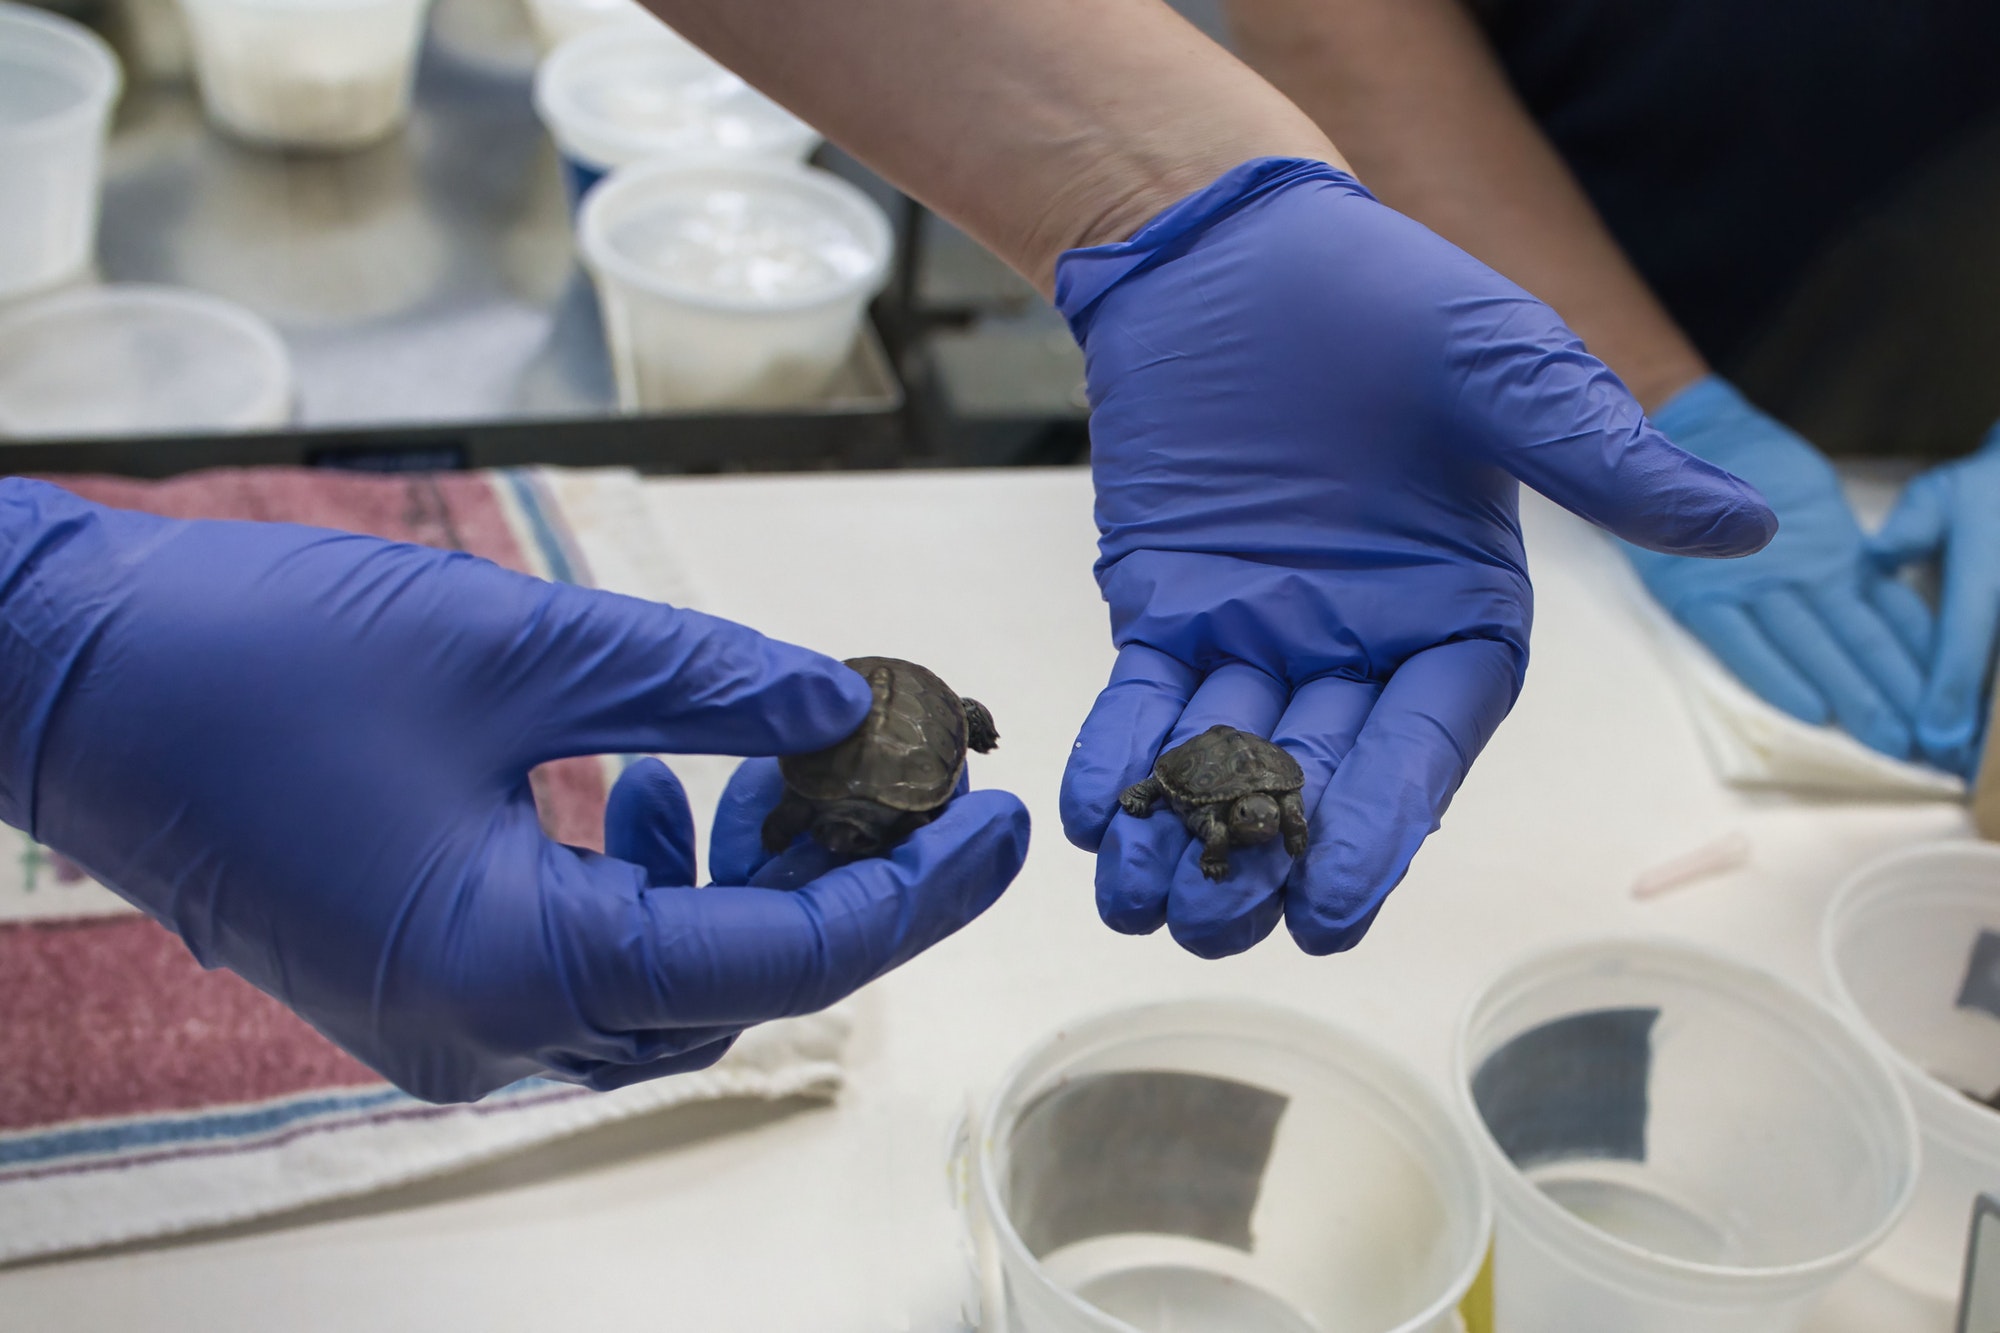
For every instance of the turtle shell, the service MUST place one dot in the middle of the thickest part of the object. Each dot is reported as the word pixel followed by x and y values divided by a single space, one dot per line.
pixel 1223 764
pixel 907 755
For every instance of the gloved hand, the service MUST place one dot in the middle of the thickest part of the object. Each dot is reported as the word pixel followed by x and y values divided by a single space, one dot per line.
pixel 1310 415
pixel 1953 514
pixel 1811 623
pixel 307 754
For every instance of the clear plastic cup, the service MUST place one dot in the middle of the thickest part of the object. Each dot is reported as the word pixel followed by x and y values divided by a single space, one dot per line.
pixel 739 286
pixel 135 359
pixel 58 81
pixel 556 21
pixel 1676 1142
pixel 1222 1166
pixel 1912 949
pixel 326 74
pixel 625 94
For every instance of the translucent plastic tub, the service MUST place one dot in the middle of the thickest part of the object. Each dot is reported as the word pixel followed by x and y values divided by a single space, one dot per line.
pixel 623 94
pixel 136 359
pixel 1223 1167
pixel 1912 949
pixel 326 74
pixel 1676 1142
pixel 58 81
pixel 730 286
pixel 556 21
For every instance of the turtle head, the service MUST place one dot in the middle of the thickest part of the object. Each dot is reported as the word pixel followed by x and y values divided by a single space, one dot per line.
pixel 852 829
pixel 1253 819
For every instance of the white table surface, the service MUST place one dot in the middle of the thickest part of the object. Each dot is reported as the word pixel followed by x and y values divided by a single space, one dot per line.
pixel 833 1219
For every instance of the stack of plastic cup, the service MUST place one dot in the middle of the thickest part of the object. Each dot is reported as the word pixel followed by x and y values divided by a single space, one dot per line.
pixel 556 21
pixel 101 362
pixel 731 286
pixel 58 81
pixel 1222 1167
pixel 622 95
pixel 1675 1142
pixel 326 74
pixel 1912 950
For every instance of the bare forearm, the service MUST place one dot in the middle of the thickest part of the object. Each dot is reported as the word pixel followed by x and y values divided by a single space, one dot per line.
pixel 1423 110
pixel 1037 125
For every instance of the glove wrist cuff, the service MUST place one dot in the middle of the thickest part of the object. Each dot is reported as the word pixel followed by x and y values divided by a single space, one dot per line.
pixel 1084 277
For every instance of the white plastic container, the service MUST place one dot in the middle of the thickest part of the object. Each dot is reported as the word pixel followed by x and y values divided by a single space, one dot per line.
pixel 58 81
pixel 1222 1166
pixel 325 74
pixel 100 362
pixel 1902 951
pixel 624 94
pixel 1676 1142
pixel 556 21
pixel 730 286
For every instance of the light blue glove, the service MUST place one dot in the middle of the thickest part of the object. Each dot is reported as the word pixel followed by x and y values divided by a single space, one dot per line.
pixel 1952 514
pixel 307 754
pixel 1310 415
pixel 1810 623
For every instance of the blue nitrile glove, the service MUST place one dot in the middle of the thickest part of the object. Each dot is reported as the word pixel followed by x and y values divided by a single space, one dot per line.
pixel 1810 623
pixel 1953 514
pixel 307 754
pixel 1310 415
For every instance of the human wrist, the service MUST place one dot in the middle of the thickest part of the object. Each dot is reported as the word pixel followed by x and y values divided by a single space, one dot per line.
pixel 1122 182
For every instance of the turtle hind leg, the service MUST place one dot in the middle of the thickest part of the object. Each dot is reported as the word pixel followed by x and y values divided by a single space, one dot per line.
pixel 980 733
pixel 1139 799
pixel 1292 819
pixel 792 817
pixel 1207 824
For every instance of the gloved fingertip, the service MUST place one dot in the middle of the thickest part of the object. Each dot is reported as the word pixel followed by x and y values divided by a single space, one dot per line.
pixel 1132 879
pixel 736 844
pixel 1225 938
pixel 1120 738
pixel 988 826
pixel 1708 514
pixel 607 1077
pixel 1322 940
pixel 820 700
pixel 648 823
pixel 1915 528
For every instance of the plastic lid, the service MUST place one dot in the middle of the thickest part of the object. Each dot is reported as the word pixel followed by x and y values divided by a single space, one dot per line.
pixel 753 236
pixel 623 93
pixel 53 73
pixel 139 360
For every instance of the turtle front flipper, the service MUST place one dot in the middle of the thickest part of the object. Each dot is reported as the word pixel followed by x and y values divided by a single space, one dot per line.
pixel 1139 799
pixel 981 736
pixel 1207 823
pixel 1292 819
pixel 792 817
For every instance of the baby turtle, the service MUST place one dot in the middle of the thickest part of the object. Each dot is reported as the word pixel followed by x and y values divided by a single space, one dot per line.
pixel 1231 789
pixel 866 794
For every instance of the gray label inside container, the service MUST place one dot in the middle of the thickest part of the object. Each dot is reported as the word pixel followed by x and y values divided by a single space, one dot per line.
pixel 1576 1087
pixel 1159 1152
pixel 1981 988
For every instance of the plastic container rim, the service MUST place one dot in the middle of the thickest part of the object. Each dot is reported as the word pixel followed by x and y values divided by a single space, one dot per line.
pixel 1095 1031
pixel 1966 1127
pixel 271 409
pixel 306 6
pixel 1646 950
pixel 97 101
pixel 569 122
pixel 604 259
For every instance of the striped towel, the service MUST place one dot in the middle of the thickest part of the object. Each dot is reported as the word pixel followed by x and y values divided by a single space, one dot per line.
pixel 141 1096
